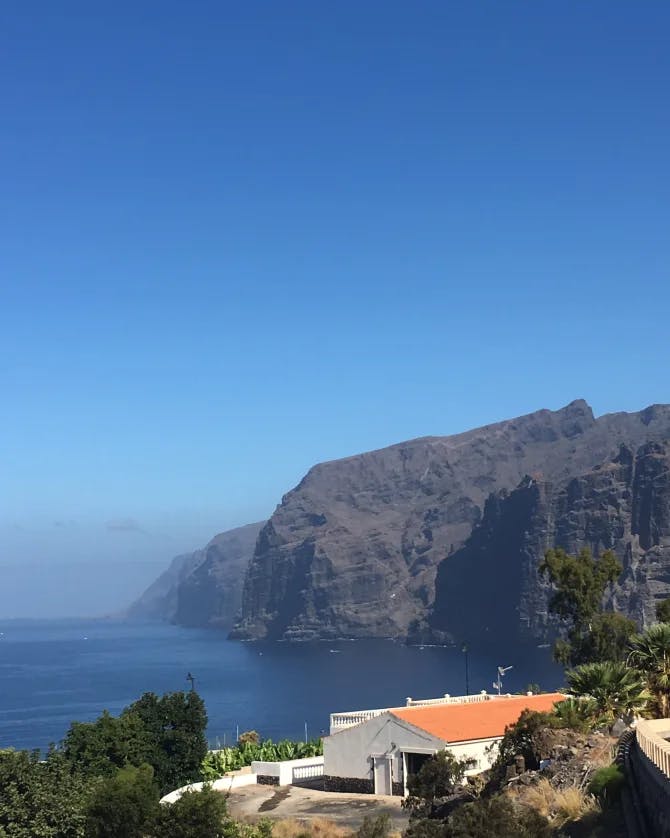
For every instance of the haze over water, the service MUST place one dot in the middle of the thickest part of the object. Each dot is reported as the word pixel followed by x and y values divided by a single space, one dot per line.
pixel 54 672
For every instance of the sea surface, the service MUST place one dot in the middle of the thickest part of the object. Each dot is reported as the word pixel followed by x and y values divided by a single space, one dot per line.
pixel 55 671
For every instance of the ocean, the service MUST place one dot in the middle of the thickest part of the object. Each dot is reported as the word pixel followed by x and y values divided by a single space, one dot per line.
pixel 55 671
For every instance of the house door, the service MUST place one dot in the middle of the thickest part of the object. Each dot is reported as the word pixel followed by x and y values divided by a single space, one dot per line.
pixel 382 771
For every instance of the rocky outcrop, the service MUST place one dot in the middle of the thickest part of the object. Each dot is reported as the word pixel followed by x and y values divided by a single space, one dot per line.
pixel 354 549
pixel 211 593
pixel 491 587
pixel 203 588
pixel 159 601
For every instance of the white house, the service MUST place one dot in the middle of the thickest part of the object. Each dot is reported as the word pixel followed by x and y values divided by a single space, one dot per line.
pixel 376 750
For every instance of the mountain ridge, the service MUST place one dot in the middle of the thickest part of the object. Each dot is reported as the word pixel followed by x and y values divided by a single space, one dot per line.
pixel 353 549
pixel 361 546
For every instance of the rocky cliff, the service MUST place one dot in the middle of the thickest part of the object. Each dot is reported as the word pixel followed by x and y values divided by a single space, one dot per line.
pixel 354 549
pixel 203 588
pixel 622 505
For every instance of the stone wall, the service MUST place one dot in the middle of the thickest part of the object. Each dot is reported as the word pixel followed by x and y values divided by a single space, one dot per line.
pixel 351 785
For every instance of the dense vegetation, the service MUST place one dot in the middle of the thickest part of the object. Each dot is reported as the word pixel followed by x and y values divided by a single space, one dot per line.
pixel 249 749
pixel 106 779
pixel 579 582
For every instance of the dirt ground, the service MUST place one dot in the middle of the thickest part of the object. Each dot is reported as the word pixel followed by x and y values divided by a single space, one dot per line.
pixel 346 810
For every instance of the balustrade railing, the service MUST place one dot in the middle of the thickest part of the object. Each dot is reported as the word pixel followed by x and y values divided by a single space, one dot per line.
pixel 452 699
pixel 339 721
pixel 306 772
pixel 650 735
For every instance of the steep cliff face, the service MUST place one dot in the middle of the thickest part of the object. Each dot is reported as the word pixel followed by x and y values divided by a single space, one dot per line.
pixel 491 587
pixel 159 601
pixel 211 594
pixel 203 588
pixel 353 550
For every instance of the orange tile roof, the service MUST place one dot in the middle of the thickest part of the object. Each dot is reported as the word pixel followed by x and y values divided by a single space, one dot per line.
pixel 479 720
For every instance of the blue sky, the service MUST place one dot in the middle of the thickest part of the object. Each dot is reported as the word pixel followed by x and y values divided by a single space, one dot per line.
pixel 240 238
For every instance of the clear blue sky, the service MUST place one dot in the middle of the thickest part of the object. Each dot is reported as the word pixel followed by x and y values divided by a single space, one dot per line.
pixel 240 238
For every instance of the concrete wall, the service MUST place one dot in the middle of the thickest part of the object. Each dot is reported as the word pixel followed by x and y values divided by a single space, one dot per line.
pixel 348 752
pixel 649 770
pixel 284 771
pixel 224 784
pixel 477 750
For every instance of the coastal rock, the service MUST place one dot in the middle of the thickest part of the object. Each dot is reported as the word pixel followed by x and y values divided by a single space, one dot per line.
pixel 203 588
pixel 354 549
pixel 622 504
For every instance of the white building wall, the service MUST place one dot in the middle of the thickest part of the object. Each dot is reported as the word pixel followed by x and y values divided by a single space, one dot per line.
pixel 477 750
pixel 348 753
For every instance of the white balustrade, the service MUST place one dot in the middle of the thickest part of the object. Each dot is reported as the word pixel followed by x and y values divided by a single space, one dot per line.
pixel 452 699
pixel 340 721
pixel 306 772
pixel 651 738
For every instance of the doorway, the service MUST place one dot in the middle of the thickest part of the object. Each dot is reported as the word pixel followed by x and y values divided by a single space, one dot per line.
pixel 382 775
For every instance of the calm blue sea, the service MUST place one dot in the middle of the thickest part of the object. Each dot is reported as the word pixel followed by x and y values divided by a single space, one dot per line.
pixel 56 671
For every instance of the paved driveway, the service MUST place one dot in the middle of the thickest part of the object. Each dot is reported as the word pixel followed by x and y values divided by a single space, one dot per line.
pixel 347 810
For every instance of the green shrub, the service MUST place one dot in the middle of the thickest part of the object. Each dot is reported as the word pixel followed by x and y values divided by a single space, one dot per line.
pixel 378 827
pixel 125 805
pixel 577 714
pixel 607 782
pixel 496 817
pixel 196 813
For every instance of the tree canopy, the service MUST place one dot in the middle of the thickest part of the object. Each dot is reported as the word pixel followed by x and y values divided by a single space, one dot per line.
pixel 42 798
pixel 166 732
pixel 579 584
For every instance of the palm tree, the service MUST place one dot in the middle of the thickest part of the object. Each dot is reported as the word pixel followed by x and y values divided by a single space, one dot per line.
pixel 616 689
pixel 650 653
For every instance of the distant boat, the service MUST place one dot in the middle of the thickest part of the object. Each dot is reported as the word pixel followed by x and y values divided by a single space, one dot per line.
pixel 543 645
pixel 334 651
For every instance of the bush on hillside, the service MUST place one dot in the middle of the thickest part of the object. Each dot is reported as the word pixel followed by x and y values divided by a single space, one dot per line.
pixel 124 806
pixel 607 783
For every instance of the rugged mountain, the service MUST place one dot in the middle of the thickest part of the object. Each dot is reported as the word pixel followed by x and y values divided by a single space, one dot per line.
pixel 159 601
pixel 210 595
pixel 203 588
pixel 622 504
pixel 354 549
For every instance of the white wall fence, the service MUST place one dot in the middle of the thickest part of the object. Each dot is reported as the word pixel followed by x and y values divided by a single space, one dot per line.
pixel 292 771
pixel 223 784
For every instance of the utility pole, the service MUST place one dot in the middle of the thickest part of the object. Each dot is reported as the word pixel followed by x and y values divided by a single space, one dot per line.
pixel 464 649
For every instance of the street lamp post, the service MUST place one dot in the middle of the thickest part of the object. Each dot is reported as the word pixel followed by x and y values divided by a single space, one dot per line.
pixel 464 649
